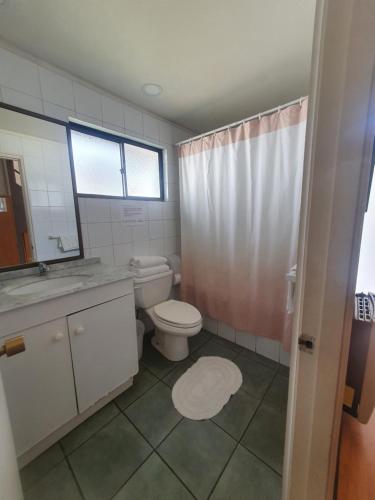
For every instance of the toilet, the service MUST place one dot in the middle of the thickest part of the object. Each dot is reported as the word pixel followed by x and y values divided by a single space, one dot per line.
pixel 174 321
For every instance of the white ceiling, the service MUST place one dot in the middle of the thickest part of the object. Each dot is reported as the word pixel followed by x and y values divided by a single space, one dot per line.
pixel 217 60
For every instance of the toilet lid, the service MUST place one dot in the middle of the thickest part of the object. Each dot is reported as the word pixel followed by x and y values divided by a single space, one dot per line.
pixel 178 313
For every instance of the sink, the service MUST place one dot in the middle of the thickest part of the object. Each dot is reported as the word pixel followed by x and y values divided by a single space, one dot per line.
pixel 62 283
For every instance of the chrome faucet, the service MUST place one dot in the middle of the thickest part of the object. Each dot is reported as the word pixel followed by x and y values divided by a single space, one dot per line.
pixel 43 268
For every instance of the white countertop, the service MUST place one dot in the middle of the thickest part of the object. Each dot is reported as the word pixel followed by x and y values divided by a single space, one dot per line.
pixel 93 274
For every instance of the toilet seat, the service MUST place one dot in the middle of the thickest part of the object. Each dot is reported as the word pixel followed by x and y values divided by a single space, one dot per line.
pixel 177 314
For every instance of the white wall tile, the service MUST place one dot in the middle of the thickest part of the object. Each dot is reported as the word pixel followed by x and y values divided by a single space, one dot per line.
pixel 38 198
pixel 169 210
pixel 156 229
pixel 19 74
pixel 58 112
pixel 87 101
pixel 170 228
pixel 82 209
pixel 121 233
pixel 133 120
pixel 56 89
pixel 211 325
pixel 113 112
pixel 32 147
pixel 56 199
pixel 141 247
pixel 140 233
pixel 151 127
pixel 284 357
pixel 245 339
pixel 157 247
pixel 85 236
pixel 16 98
pixel 100 234
pixel 10 144
pixel 172 191
pixel 154 209
pixel 165 132
pixel 268 348
pixel 98 210
pixel 104 253
pixel 89 120
pixel 226 331
pixel 123 253
pixel 170 246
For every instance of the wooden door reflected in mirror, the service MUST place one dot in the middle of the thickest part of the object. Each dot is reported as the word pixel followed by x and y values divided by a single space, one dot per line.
pixel 16 248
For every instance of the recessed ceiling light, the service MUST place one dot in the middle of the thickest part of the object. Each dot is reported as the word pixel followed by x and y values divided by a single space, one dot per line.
pixel 152 89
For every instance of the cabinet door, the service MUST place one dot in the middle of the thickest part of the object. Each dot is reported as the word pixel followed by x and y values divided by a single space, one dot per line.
pixel 39 384
pixel 104 349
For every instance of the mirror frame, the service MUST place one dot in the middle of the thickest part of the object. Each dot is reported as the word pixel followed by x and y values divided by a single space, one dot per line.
pixel 74 190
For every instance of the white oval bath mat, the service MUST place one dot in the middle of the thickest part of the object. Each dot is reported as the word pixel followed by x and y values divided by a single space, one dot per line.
pixel 203 390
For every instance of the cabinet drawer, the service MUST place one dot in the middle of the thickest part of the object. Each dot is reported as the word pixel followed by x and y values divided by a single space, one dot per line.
pixel 39 384
pixel 104 349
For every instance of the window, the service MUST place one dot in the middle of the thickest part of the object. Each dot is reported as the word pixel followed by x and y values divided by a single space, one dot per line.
pixel 112 166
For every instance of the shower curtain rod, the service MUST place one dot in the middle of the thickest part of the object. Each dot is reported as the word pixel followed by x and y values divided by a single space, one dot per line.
pixel 234 124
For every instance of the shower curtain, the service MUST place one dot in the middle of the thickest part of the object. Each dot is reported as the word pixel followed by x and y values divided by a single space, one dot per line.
pixel 240 202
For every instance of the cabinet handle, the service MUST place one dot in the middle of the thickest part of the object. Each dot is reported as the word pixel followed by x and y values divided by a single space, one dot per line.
pixel 79 330
pixel 59 336
pixel 12 346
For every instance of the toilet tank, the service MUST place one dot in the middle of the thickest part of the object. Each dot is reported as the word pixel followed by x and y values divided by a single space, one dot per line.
pixel 152 290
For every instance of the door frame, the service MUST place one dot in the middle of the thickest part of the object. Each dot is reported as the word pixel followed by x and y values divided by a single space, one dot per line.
pixel 339 140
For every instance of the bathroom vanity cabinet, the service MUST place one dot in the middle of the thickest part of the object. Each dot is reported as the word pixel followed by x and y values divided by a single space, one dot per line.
pixel 81 351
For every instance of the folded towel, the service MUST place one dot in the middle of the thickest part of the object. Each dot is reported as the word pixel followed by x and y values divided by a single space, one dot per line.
pixel 149 271
pixel 144 261
pixel 68 242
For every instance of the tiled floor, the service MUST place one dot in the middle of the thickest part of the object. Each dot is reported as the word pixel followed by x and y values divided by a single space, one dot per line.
pixel 140 448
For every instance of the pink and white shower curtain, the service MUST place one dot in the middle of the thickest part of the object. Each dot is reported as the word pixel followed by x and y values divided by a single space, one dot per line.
pixel 240 204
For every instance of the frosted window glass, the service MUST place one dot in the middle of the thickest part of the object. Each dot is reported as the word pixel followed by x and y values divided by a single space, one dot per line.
pixel 97 165
pixel 142 172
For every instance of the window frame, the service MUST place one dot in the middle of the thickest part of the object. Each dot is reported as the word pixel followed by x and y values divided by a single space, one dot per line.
pixel 121 140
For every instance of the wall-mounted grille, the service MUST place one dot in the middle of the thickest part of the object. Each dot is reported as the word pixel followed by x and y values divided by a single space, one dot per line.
pixel 364 307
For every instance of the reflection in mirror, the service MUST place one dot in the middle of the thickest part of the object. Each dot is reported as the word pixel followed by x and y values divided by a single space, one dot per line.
pixel 37 210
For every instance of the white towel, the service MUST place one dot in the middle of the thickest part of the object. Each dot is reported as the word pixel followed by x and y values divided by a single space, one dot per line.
pixel 68 242
pixel 143 261
pixel 291 279
pixel 149 271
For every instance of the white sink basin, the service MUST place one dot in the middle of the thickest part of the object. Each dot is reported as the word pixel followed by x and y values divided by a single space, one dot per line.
pixel 60 284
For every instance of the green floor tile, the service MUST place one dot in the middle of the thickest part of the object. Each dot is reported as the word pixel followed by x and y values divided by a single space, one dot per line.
pixel 226 343
pixel 154 414
pixel 258 358
pixel 141 383
pixel 256 377
pixel 153 481
pixel 58 484
pixel 197 452
pixel 265 436
pixel 236 414
pixel 154 361
pixel 277 394
pixel 212 348
pixel 247 478
pixel 198 340
pixel 41 465
pixel 179 370
pixel 104 463
pixel 284 371
pixel 89 427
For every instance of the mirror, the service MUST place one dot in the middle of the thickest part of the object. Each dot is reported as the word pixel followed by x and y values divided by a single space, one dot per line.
pixel 38 213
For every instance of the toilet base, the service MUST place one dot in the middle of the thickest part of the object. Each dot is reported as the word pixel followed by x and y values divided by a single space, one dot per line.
pixel 172 347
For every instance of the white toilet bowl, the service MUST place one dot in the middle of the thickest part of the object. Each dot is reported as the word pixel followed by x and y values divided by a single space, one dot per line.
pixel 175 321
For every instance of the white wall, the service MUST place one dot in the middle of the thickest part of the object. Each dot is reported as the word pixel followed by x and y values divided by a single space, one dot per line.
pixel 33 85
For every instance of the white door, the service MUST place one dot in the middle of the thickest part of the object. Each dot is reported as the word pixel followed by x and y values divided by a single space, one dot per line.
pixel 104 349
pixel 10 484
pixel 340 135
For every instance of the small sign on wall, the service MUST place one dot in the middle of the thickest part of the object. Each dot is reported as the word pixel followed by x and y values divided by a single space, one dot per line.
pixel 133 215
